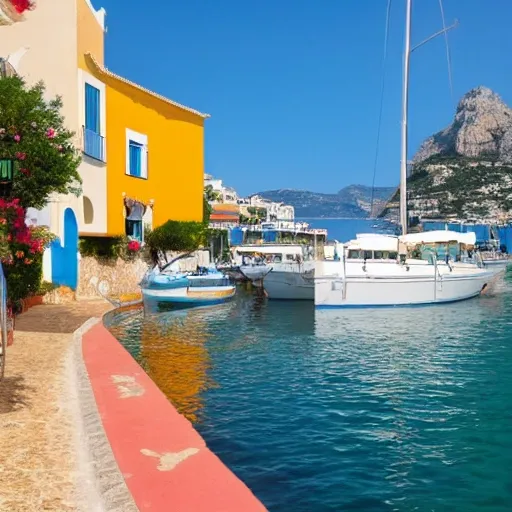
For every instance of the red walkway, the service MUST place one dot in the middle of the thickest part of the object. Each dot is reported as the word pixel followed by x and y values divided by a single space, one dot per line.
pixel 165 462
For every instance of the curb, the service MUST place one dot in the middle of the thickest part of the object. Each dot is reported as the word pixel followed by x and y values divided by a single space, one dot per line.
pixel 143 453
pixel 100 484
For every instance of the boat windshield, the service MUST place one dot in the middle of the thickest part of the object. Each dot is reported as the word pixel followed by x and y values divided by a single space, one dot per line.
pixel 442 251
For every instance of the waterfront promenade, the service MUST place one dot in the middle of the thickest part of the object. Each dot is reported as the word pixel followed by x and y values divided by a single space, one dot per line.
pixel 84 428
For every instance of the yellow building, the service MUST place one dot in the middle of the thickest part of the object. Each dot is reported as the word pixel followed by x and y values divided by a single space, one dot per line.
pixel 142 153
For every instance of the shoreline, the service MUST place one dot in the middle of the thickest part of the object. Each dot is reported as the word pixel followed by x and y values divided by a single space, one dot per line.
pixel 166 464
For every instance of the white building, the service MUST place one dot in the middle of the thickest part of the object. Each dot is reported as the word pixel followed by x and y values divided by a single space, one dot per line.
pixel 226 194
pixel 283 215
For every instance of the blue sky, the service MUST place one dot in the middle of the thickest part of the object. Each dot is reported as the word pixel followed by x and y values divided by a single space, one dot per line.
pixel 293 86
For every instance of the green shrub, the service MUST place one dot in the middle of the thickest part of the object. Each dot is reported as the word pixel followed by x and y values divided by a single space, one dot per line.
pixel 103 248
pixel 176 236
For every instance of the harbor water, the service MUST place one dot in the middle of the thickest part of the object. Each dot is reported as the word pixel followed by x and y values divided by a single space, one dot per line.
pixel 369 410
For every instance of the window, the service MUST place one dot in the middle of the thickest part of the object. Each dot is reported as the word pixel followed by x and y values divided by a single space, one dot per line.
pixel 136 154
pixel 135 165
pixel 92 108
pixel 134 226
pixel 134 229
pixel 93 141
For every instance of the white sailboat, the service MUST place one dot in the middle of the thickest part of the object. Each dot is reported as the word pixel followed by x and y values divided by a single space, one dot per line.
pixel 416 269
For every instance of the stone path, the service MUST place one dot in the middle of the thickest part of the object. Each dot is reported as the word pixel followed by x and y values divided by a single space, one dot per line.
pixel 38 452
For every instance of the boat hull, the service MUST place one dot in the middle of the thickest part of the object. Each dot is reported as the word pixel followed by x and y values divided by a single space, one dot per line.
pixel 396 286
pixel 254 272
pixel 498 266
pixel 290 284
pixel 200 297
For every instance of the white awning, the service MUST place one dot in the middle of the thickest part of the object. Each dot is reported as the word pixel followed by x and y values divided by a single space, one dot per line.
pixel 439 237
pixel 374 242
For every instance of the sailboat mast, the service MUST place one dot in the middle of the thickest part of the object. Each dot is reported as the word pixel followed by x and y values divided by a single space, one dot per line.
pixel 405 104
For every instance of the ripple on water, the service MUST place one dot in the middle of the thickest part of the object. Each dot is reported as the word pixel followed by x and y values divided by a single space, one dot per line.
pixel 364 410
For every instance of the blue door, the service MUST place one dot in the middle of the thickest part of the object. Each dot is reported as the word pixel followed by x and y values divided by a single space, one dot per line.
pixel 65 256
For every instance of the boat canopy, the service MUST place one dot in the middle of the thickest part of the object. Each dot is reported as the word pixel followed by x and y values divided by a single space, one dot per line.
pixel 439 237
pixel 374 242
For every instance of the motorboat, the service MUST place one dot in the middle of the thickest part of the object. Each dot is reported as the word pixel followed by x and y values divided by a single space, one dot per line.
pixel 169 284
pixel 286 270
pixel 416 269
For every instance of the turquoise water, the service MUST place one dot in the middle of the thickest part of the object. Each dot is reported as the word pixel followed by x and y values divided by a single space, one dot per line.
pixel 345 230
pixel 368 410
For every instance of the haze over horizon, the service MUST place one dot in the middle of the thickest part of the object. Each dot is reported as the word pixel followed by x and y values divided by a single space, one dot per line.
pixel 298 108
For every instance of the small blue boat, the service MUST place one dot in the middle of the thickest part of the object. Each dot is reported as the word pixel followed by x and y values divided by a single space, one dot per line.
pixel 206 286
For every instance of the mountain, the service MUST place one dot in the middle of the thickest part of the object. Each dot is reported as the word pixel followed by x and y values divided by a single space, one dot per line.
pixel 482 128
pixel 465 170
pixel 350 202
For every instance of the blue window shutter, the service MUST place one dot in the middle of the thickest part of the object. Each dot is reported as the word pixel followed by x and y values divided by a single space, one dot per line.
pixel 92 108
pixel 135 159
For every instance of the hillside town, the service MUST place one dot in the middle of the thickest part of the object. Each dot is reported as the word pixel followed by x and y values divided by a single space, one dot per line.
pixel 253 213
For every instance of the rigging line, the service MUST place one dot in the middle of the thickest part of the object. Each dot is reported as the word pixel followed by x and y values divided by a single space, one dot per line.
pixel 448 57
pixel 384 59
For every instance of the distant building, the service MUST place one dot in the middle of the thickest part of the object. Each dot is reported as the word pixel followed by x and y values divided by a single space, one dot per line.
pixel 225 194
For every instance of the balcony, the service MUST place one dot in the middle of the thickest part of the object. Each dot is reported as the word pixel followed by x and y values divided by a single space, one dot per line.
pixel 94 145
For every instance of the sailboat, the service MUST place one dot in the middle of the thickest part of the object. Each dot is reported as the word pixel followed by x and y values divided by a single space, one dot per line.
pixel 411 269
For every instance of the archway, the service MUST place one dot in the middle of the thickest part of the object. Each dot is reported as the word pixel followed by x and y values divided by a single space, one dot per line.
pixel 88 210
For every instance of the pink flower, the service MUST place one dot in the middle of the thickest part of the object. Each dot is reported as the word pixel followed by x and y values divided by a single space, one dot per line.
pixel 60 147
pixel 20 255
pixel 17 138
pixel 21 156
pixel 27 261
pixel 3 221
pixel 133 246
pixel 50 133
pixel 26 172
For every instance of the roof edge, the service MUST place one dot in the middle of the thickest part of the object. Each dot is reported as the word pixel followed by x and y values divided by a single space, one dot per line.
pixel 104 71
pixel 99 14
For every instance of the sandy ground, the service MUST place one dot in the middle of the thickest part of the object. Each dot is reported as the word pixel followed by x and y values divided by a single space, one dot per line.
pixel 45 457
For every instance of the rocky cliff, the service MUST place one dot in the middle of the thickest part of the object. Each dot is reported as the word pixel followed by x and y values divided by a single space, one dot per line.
pixel 482 127
pixel 465 170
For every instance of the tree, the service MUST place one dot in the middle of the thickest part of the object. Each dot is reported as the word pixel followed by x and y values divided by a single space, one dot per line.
pixel 175 236
pixel 212 195
pixel 32 133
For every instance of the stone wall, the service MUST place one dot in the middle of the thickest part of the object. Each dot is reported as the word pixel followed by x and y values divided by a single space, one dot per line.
pixel 121 277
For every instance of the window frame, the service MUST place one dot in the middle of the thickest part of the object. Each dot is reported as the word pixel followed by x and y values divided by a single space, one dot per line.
pixel 141 140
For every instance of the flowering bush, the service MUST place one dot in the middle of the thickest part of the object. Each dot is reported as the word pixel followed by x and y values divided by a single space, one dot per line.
pixel 21 250
pixel 32 133
pixel 134 246
pixel 111 248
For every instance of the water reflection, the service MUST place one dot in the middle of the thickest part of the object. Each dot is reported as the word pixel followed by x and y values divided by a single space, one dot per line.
pixel 408 369
pixel 385 409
